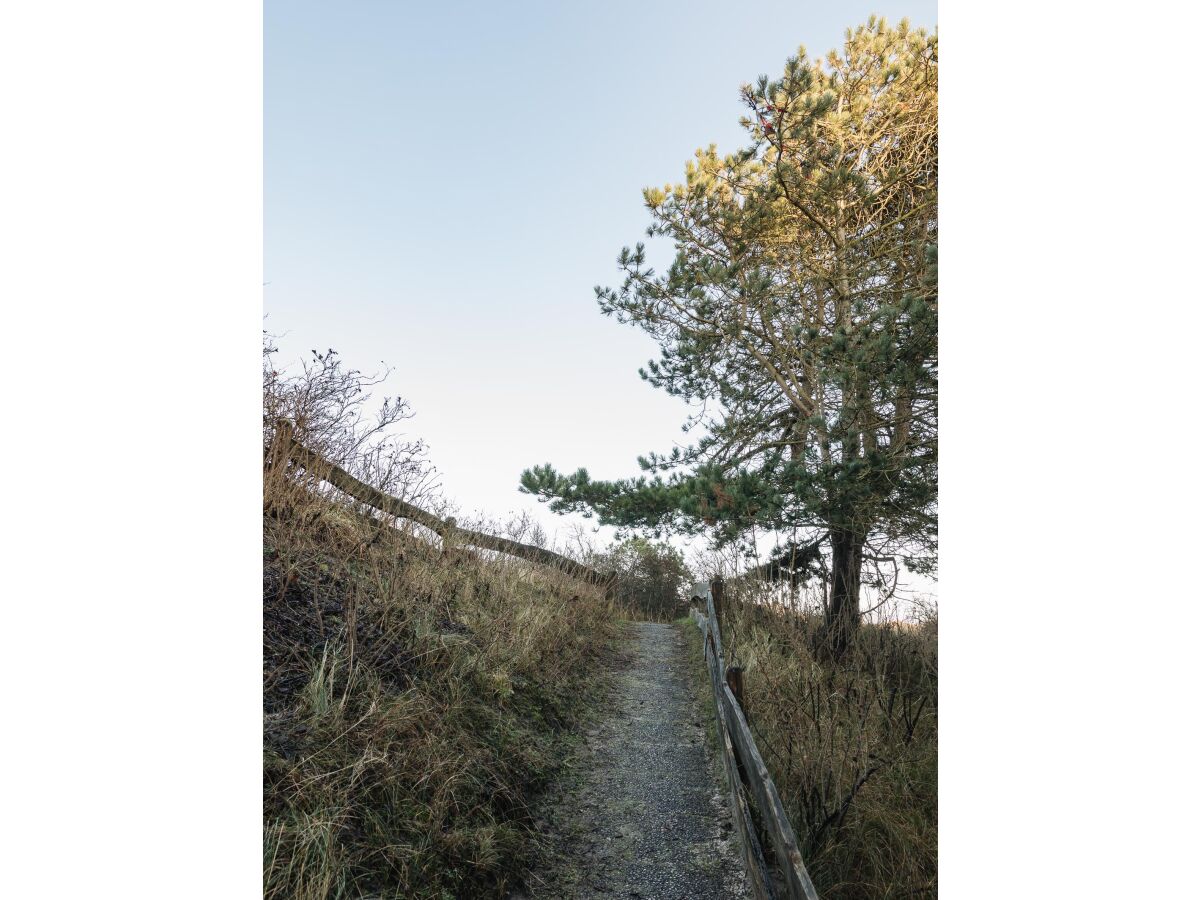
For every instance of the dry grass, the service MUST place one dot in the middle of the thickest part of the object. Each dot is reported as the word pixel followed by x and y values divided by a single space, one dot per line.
pixel 852 745
pixel 414 701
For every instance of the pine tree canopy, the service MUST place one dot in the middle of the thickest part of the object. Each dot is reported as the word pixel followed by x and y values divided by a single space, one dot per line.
pixel 799 315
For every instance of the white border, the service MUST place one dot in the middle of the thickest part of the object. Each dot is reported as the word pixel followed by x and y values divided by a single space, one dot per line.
pixel 132 264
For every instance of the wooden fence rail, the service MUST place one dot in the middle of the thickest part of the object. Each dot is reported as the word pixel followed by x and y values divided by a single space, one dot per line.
pixel 447 529
pixel 744 767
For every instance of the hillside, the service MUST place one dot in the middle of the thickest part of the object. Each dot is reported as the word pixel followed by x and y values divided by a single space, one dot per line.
pixel 413 703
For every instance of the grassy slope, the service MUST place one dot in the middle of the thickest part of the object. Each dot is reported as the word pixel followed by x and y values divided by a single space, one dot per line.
pixel 823 728
pixel 413 704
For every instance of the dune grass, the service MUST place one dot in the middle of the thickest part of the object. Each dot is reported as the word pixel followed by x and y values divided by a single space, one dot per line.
pixel 416 698
pixel 851 744
pixel 414 703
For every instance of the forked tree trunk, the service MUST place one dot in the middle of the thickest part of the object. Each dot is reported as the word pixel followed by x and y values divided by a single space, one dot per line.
pixel 842 616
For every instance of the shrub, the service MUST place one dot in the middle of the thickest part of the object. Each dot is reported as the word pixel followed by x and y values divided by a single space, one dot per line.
pixel 651 578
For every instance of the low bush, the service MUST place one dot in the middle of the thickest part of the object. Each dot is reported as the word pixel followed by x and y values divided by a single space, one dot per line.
pixel 650 579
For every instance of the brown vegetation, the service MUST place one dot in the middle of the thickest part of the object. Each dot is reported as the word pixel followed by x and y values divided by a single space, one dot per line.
pixel 851 745
pixel 414 700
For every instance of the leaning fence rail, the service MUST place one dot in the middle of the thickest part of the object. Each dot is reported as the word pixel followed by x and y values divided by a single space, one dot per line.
pixel 744 767
pixel 288 450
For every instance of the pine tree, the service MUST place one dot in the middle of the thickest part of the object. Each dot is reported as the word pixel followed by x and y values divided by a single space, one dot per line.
pixel 801 312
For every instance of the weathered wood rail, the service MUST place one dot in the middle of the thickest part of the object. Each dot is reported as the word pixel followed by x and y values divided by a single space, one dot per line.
pixel 290 449
pixel 744 767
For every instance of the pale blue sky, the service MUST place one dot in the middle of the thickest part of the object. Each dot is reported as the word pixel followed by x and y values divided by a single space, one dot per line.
pixel 445 184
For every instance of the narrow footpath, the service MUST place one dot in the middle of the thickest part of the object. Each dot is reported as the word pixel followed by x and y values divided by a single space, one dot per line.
pixel 644 813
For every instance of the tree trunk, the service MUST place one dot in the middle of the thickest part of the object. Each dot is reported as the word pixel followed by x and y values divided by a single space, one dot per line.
pixel 842 617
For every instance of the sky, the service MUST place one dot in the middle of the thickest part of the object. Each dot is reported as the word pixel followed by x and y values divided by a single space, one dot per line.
pixel 446 183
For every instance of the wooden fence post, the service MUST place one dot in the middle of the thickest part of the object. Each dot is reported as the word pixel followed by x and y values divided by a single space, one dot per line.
pixel 717 586
pixel 734 678
pixel 745 770
pixel 277 453
pixel 450 537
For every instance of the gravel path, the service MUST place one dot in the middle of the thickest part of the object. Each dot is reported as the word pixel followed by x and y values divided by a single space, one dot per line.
pixel 645 813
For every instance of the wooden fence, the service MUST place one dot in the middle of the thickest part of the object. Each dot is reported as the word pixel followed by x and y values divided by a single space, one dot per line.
pixel 287 450
pixel 744 768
